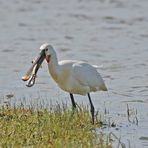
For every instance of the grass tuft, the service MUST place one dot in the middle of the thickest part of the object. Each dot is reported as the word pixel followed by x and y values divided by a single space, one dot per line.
pixel 56 127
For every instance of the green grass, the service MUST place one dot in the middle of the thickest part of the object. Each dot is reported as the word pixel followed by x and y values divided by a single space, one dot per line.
pixel 57 127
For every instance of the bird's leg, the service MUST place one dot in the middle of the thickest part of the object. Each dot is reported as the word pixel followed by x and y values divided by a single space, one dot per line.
pixel 72 101
pixel 92 109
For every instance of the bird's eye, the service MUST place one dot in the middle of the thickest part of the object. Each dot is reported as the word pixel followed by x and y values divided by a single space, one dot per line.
pixel 46 49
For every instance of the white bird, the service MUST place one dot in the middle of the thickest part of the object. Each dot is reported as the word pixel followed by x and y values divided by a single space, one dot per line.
pixel 74 77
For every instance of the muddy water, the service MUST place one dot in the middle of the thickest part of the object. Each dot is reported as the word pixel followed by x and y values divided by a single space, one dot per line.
pixel 112 33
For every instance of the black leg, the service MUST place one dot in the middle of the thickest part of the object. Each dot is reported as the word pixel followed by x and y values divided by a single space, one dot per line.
pixel 72 101
pixel 92 109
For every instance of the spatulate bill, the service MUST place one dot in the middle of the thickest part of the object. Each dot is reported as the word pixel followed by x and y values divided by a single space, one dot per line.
pixel 31 73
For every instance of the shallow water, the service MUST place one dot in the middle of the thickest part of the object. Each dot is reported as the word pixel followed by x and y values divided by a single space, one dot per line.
pixel 112 33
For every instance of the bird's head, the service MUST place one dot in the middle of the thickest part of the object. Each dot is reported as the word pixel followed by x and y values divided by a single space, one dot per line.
pixel 46 51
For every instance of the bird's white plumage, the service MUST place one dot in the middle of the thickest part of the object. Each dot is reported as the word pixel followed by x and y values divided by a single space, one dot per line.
pixel 75 77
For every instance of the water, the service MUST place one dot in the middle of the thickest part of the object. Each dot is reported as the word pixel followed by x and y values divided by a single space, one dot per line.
pixel 112 33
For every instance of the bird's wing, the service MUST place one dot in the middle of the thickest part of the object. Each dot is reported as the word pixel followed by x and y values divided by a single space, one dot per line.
pixel 86 74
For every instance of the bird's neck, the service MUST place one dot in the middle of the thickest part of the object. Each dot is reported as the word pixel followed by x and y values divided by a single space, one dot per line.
pixel 53 67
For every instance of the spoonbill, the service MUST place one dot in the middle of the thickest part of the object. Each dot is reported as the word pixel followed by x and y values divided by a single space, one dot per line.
pixel 74 77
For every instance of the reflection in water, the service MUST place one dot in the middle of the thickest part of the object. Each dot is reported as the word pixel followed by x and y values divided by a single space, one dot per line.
pixel 112 33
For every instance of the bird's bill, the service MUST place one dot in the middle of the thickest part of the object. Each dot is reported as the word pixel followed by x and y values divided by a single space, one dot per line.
pixel 36 64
